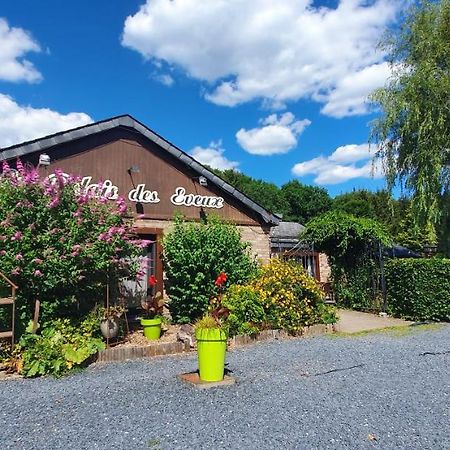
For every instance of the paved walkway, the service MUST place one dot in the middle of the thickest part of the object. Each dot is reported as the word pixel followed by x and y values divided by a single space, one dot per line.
pixel 355 321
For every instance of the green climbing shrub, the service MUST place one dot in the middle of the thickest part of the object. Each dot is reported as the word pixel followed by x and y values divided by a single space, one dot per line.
pixel 352 245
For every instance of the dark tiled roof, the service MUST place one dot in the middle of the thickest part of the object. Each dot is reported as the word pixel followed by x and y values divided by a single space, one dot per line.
pixel 287 230
pixel 41 144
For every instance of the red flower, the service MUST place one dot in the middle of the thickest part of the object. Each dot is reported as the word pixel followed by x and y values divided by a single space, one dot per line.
pixel 221 279
pixel 152 280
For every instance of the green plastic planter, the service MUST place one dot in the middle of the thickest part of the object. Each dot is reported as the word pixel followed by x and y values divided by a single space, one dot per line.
pixel 152 328
pixel 211 349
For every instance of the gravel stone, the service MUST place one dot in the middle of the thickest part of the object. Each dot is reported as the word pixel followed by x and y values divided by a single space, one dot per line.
pixel 379 390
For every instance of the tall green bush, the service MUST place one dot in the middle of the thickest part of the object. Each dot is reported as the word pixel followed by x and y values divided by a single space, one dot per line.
pixel 194 254
pixel 419 289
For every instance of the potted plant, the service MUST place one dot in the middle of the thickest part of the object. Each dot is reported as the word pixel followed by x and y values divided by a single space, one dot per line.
pixel 153 306
pixel 109 323
pixel 212 339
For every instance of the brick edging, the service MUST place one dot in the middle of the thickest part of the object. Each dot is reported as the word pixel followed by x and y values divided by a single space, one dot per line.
pixel 171 348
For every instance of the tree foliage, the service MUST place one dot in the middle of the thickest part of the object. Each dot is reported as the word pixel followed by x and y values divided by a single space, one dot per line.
pixel 295 201
pixel 304 202
pixel 413 131
pixel 419 289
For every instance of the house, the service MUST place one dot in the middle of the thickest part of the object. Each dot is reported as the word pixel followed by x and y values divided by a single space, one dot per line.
pixel 285 242
pixel 156 179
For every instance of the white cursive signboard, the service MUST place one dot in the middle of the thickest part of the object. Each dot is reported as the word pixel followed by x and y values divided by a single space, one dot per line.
pixel 142 195
pixel 109 190
pixel 181 198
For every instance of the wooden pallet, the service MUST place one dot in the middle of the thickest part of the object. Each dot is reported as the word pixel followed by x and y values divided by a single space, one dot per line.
pixel 9 301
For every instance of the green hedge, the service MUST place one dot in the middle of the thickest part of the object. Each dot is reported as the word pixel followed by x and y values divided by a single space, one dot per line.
pixel 419 289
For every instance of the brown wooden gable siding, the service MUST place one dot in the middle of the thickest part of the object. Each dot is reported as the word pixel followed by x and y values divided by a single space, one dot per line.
pixel 111 154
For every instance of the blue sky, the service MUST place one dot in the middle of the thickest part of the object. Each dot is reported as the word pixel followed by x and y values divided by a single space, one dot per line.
pixel 273 88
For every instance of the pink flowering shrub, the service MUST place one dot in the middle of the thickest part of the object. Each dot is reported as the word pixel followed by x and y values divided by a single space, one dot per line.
pixel 58 244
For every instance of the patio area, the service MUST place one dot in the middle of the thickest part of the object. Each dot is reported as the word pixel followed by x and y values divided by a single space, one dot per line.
pixel 381 390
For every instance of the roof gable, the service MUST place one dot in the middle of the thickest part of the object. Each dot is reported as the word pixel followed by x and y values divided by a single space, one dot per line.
pixel 126 121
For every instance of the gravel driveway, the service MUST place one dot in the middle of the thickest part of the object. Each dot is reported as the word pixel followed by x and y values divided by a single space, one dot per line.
pixel 376 391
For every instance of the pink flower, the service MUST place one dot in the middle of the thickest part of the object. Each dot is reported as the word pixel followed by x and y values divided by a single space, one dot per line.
pixel 54 203
pixel 37 261
pixel 31 176
pixel 17 236
pixel 144 243
pixel 16 271
pixel 19 166
pixel 5 167
pixel 38 273
pixel 19 257
pixel 2 252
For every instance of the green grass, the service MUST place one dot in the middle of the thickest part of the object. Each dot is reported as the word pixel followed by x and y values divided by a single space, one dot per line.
pixel 396 331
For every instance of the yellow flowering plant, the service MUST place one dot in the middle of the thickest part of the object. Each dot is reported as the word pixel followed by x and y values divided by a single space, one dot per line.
pixel 290 297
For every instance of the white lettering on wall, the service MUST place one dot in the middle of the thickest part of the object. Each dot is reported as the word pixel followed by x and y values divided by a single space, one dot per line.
pixel 142 195
pixel 106 189
pixel 181 198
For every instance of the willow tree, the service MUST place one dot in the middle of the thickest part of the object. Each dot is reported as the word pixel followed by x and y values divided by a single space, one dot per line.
pixel 413 130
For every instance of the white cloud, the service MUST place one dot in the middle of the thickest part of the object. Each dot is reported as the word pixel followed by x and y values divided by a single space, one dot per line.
pixel 213 156
pixel 341 165
pixel 276 136
pixel 23 123
pixel 277 51
pixel 14 44
pixel 349 98
pixel 164 78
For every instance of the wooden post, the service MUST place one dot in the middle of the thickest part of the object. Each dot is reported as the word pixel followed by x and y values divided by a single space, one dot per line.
pixel 37 307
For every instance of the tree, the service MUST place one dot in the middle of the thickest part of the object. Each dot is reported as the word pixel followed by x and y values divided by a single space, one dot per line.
pixel 413 131
pixel 304 202
pixel 357 203
pixel 266 194
pixel 378 205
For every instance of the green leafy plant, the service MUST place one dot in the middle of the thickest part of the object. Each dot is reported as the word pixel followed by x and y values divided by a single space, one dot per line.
pixel 206 322
pixel 61 347
pixel 153 303
pixel 419 289
pixel 246 311
pixel 194 253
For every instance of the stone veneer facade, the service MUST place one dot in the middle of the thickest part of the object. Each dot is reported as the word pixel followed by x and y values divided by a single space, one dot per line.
pixel 324 268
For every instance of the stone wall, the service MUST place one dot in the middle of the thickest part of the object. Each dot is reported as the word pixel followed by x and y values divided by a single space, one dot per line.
pixel 324 268
pixel 259 239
